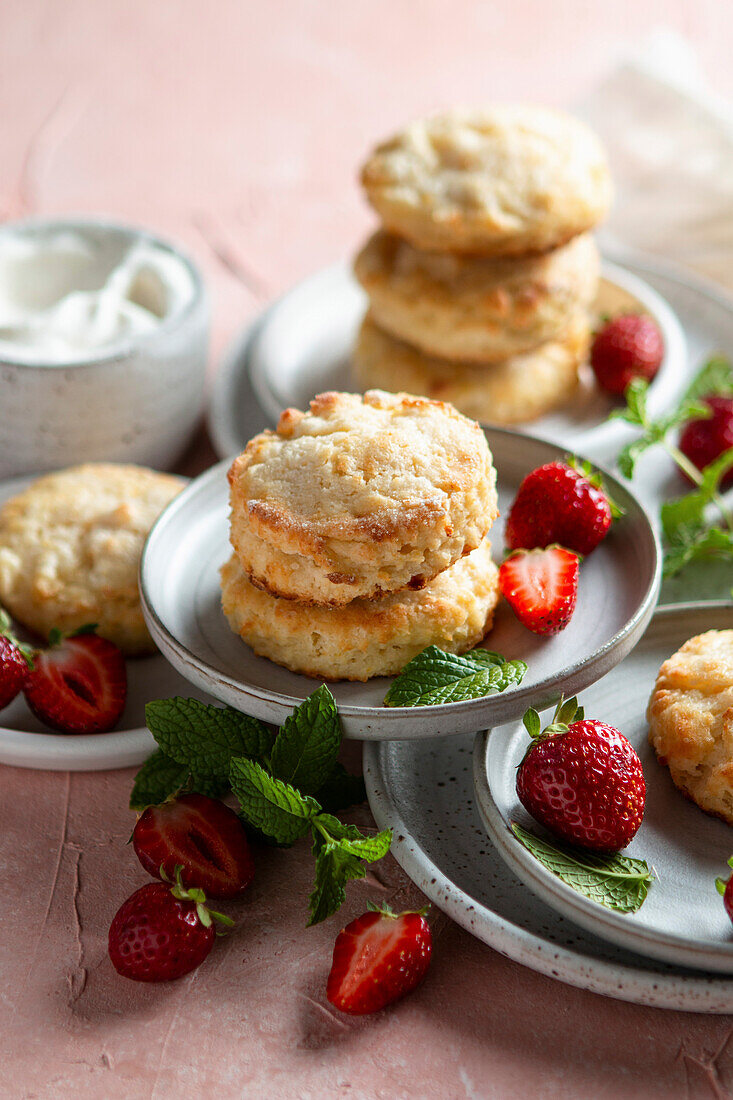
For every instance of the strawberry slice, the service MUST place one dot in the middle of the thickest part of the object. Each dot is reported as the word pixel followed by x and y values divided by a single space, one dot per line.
pixel 15 662
pixel 541 587
pixel 200 834
pixel 78 684
pixel 378 958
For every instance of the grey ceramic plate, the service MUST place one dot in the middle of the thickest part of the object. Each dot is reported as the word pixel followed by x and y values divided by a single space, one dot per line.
pixel 180 592
pixel 27 743
pixel 303 344
pixel 682 920
pixel 424 792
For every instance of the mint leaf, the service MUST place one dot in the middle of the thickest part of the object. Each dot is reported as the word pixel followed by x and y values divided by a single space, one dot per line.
pixel 160 778
pixel 434 676
pixel 334 868
pixel 716 377
pixel 269 804
pixel 352 840
pixel 689 510
pixel 205 737
pixel 690 543
pixel 618 882
pixel 306 747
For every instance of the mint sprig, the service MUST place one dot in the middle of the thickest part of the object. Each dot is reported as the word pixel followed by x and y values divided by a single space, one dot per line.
pixel 286 786
pixel 616 881
pixel 690 531
pixel 434 676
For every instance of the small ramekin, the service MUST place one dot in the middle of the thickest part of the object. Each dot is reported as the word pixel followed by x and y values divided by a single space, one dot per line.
pixel 139 402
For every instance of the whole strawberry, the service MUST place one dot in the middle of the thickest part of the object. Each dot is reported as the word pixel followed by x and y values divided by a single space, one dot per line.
pixel 725 887
pixel 78 684
pixel 582 779
pixel 378 958
pixel 627 347
pixel 705 439
pixel 558 503
pixel 16 661
pixel 202 836
pixel 162 932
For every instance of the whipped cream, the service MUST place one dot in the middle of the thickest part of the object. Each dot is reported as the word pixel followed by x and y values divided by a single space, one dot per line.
pixel 71 294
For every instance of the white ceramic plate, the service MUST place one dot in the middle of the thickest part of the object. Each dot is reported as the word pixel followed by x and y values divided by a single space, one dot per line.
pixel 181 601
pixel 424 792
pixel 303 344
pixel 27 743
pixel 682 920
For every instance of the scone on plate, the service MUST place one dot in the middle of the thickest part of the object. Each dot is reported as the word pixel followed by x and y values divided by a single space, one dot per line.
pixel 691 720
pixel 518 390
pixel 503 181
pixel 476 309
pixel 70 548
pixel 360 496
pixel 365 638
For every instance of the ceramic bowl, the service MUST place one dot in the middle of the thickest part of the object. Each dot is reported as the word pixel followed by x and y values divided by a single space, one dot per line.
pixel 137 400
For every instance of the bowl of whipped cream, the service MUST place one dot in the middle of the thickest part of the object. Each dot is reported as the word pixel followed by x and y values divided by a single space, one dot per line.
pixel 104 332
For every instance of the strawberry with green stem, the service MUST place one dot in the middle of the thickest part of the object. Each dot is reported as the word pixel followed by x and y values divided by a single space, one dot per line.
pixel 725 888
pixel 16 662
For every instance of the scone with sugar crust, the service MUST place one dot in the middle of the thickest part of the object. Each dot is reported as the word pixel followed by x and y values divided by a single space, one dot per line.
pixel 70 548
pixel 476 309
pixel 498 182
pixel 516 391
pixel 360 496
pixel 691 720
pixel 365 638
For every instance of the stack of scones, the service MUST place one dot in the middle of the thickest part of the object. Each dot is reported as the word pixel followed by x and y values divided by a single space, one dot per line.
pixel 481 279
pixel 359 535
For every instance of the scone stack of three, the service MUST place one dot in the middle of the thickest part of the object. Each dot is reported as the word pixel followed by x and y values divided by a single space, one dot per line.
pixel 359 536
pixel 481 280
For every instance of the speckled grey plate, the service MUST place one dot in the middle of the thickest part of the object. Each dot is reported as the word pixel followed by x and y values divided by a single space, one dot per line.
pixel 303 345
pixel 181 600
pixel 424 792
pixel 682 920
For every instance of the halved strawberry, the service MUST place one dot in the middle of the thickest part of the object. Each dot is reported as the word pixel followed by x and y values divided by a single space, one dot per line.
pixel 378 958
pixel 16 660
pixel 200 834
pixel 78 684
pixel 541 587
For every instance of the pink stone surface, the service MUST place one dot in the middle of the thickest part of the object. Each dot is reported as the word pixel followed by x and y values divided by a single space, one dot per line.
pixel 237 127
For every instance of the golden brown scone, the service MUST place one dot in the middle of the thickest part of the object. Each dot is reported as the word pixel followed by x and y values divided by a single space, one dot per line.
pixel 474 309
pixel 691 720
pixel 498 182
pixel 360 496
pixel 365 638
pixel 70 548
pixel 514 392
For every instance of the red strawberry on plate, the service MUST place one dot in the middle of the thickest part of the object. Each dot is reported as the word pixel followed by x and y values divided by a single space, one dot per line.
pixel 705 439
pixel 582 779
pixel 162 932
pixel 78 684
pixel 378 958
pixel 627 347
pixel 541 587
pixel 200 834
pixel 16 661
pixel 559 503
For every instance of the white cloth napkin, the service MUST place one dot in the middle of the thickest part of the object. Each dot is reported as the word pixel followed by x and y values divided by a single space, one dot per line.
pixel 670 139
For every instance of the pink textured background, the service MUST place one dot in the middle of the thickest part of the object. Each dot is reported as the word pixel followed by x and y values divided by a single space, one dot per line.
pixel 237 126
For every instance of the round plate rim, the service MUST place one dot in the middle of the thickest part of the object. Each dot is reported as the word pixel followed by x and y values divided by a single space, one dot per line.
pixel 502 708
pixel 713 994
pixel 604 923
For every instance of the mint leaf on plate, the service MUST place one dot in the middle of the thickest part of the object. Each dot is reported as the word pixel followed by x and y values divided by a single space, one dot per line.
pixel 435 676
pixel 616 881
pixel 160 777
pixel 307 745
pixel 269 804
pixel 205 737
